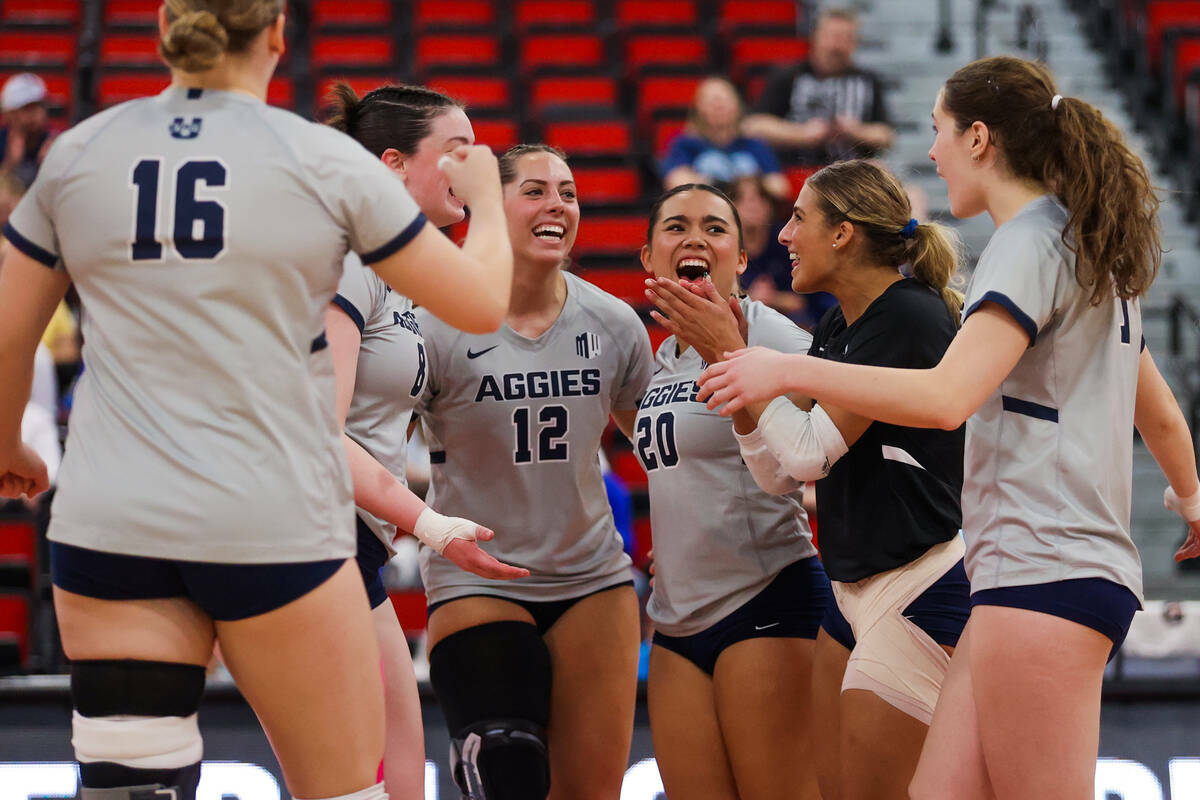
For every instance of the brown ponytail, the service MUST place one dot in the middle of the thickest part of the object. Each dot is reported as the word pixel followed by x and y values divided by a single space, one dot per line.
pixel 1078 155
pixel 871 199
pixel 199 32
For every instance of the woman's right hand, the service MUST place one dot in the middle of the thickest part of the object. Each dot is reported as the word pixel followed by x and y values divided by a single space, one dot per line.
pixel 23 473
pixel 473 171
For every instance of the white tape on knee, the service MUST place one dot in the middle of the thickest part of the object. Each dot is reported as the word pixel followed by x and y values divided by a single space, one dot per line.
pixel 138 742
pixel 376 792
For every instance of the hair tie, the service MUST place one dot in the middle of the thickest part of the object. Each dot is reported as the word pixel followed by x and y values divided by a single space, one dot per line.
pixel 908 230
pixel 1054 102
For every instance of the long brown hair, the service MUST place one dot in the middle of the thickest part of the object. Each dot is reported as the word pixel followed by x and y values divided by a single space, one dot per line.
pixel 874 202
pixel 1071 149
pixel 199 32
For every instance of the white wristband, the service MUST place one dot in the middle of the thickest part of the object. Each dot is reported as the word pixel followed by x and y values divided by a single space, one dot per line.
pixel 1186 507
pixel 436 530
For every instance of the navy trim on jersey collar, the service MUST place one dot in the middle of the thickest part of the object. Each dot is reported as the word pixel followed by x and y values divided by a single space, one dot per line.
pixel 1008 305
pixel 1029 408
pixel 351 311
pixel 195 94
pixel 27 247
pixel 319 344
pixel 437 457
pixel 404 237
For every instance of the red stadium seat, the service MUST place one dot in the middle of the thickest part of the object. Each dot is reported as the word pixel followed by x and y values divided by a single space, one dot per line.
pixel 643 538
pixel 653 50
pixel 659 93
pixel 282 92
pixel 18 545
pixel 118 87
pixel 454 14
pixel 608 184
pixel 410 610
pixel 350 51
pixel 1184 52
pixel 628 285
pixel 657 14
pixel 750 54
pixel 657 334
pixel 599 137
pixel 1164 14
pixel 130 50
pixel 35 49
pixel 361 84
pixel 132 13
pixel 573 90
pixel 624 462
pixel 737 15
pixel 566 50
pixel 797 175
pixel 351 13
pixel 498 134
pixel 476 91
pixel 457 50
pixel 14 624
pixel 40 12
pixel 556 14
pixel 619 234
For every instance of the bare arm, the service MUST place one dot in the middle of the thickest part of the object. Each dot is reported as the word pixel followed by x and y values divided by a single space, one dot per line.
pixel 780 132
pixel 29 293
pixel 625 419
pixel 981 356
pixel 1164 429
pixel 467 288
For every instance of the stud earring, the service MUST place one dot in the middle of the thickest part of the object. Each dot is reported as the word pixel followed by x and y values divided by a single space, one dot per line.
pixel 835 244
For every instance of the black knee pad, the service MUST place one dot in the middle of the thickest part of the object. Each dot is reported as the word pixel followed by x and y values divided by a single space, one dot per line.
pixel 493 683
pixel 116 750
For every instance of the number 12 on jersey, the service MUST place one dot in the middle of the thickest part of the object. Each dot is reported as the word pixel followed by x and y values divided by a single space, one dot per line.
pixel 190 213
pixel 552 427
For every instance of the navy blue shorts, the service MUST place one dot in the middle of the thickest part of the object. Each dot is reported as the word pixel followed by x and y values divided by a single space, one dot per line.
pixel 1100 604
pixel 941 611
pixel 371 558
pixel 790 607
pixel 544 612
pixel 225 592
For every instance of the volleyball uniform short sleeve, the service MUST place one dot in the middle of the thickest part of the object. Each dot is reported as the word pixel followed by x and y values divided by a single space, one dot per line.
pixel 514 427
pixel 205 232
pixel 390 375
pixel 718 538
pixel 31 227
pixel 895 493
pixel 1049 455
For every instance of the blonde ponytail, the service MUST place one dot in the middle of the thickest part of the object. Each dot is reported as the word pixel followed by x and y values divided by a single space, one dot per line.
pixel 934 254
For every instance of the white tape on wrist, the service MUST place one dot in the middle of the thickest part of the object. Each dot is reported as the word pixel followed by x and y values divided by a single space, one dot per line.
pixel 1186 507
pixel 436 531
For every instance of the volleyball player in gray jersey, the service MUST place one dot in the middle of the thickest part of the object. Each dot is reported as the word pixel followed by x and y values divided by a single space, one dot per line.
pixel 888 495
pixel 514 421
pixel 379 358
pixel 738 591
pixel 1049 374
pixel 205 495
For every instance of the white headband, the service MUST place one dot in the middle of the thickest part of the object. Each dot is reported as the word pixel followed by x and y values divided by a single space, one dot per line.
pixel 1054 102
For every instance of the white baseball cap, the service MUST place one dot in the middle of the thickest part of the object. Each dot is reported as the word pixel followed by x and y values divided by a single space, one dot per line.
pixel 20 90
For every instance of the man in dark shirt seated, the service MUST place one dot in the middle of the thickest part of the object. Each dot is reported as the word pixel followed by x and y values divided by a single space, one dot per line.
pixel 825 107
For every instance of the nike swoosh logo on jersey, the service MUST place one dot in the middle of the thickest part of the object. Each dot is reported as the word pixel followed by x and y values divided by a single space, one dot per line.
pixel 481 352
pixel 764 627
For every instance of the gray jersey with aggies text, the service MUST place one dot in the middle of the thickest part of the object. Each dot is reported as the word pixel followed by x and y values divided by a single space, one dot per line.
pixel 1049 456
pixel 390 376
pixel 718 538
pixel 205 232
pixel 514 427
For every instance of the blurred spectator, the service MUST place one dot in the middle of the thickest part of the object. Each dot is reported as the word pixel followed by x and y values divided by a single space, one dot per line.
pixel 711 150
pixel 825 106
pixel 25 137
pixel 11 190
pixel 768 275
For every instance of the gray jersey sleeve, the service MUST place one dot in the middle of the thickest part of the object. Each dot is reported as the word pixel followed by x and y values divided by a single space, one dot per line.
pixel 31 227
pixel 368 199
pixel 360 293
pixel 1013 274
pixel 640 361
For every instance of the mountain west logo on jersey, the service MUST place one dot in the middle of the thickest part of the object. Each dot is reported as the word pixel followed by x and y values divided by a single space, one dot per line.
pixel 186 130
pixel 587 345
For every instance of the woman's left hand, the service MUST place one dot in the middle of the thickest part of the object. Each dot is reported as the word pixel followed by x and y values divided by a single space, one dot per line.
pixel 696 314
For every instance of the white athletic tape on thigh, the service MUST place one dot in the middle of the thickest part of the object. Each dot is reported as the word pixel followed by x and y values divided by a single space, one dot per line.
pixel 893 657
pixel 138 742
pixel 375 792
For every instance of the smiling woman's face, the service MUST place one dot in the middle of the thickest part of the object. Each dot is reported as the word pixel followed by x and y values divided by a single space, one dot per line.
pixel 695 236
pixel 542 209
